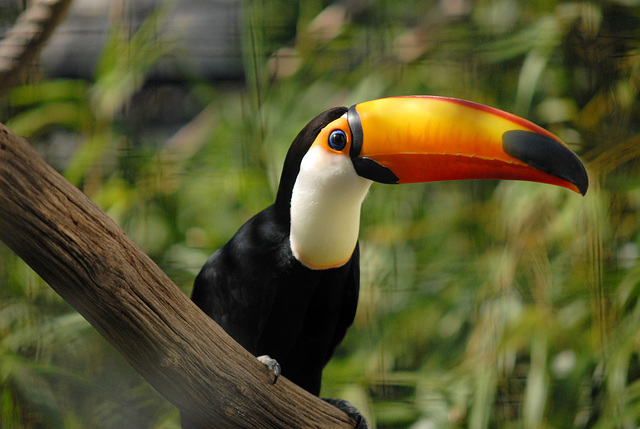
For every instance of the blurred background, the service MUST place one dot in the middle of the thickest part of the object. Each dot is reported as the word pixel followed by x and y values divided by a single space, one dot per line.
pixel 483 304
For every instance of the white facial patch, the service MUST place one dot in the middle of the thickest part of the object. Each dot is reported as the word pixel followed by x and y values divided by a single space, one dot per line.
pixel 325 209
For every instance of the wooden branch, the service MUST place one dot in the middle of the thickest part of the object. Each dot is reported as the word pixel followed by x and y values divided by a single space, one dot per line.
pixel 81 252
pixel 24 41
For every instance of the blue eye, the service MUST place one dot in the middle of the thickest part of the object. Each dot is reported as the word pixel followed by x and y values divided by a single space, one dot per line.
pixel 337 139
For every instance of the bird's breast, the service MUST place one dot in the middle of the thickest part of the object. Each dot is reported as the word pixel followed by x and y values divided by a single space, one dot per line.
pixel 325 209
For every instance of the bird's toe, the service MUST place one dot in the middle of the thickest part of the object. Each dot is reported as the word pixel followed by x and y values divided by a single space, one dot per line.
pixel 272 365
pixel 350 410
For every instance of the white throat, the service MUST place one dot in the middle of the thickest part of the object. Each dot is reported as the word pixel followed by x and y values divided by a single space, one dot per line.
pixel 325 209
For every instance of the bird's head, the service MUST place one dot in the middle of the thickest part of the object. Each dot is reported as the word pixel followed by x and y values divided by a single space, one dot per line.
pixel 334 160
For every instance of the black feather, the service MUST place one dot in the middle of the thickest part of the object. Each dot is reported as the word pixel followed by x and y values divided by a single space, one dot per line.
pixel 269 302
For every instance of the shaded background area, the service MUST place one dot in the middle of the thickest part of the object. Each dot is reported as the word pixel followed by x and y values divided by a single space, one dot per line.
pixel 483 304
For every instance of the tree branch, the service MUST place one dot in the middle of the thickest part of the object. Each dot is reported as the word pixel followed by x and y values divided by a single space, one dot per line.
pixel 27 37
pixel 87 259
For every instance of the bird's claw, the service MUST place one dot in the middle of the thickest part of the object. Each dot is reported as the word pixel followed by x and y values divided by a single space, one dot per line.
pixel 272 365
pixel 350 410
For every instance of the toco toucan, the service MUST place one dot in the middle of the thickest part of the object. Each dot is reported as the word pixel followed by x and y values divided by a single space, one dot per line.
pixel 286 285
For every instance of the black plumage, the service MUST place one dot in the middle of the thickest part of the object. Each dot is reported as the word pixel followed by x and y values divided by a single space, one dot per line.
pixel 268 301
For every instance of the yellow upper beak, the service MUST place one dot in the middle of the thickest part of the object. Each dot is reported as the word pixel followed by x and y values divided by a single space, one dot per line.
pixel 423 139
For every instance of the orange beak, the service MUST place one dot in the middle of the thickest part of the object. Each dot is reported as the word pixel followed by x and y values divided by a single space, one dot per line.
pixel 425 139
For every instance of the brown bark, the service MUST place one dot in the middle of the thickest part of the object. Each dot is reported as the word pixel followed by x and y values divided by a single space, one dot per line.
pixel 81 252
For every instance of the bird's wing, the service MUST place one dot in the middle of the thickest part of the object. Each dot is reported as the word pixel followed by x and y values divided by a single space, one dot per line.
pixel 231 287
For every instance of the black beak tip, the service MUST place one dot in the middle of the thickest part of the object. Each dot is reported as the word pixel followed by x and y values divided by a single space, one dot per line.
pixel 546 154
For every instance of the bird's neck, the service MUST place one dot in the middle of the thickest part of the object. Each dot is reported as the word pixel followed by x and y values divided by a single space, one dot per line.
pixel 325 210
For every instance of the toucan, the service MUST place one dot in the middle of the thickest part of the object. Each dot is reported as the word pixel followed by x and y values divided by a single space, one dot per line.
pixel 286 284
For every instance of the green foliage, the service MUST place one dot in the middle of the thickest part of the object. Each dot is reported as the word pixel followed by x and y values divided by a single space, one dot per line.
pixel 482 304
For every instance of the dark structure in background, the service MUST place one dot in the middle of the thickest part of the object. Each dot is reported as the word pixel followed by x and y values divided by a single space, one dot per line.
pixel 205 37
